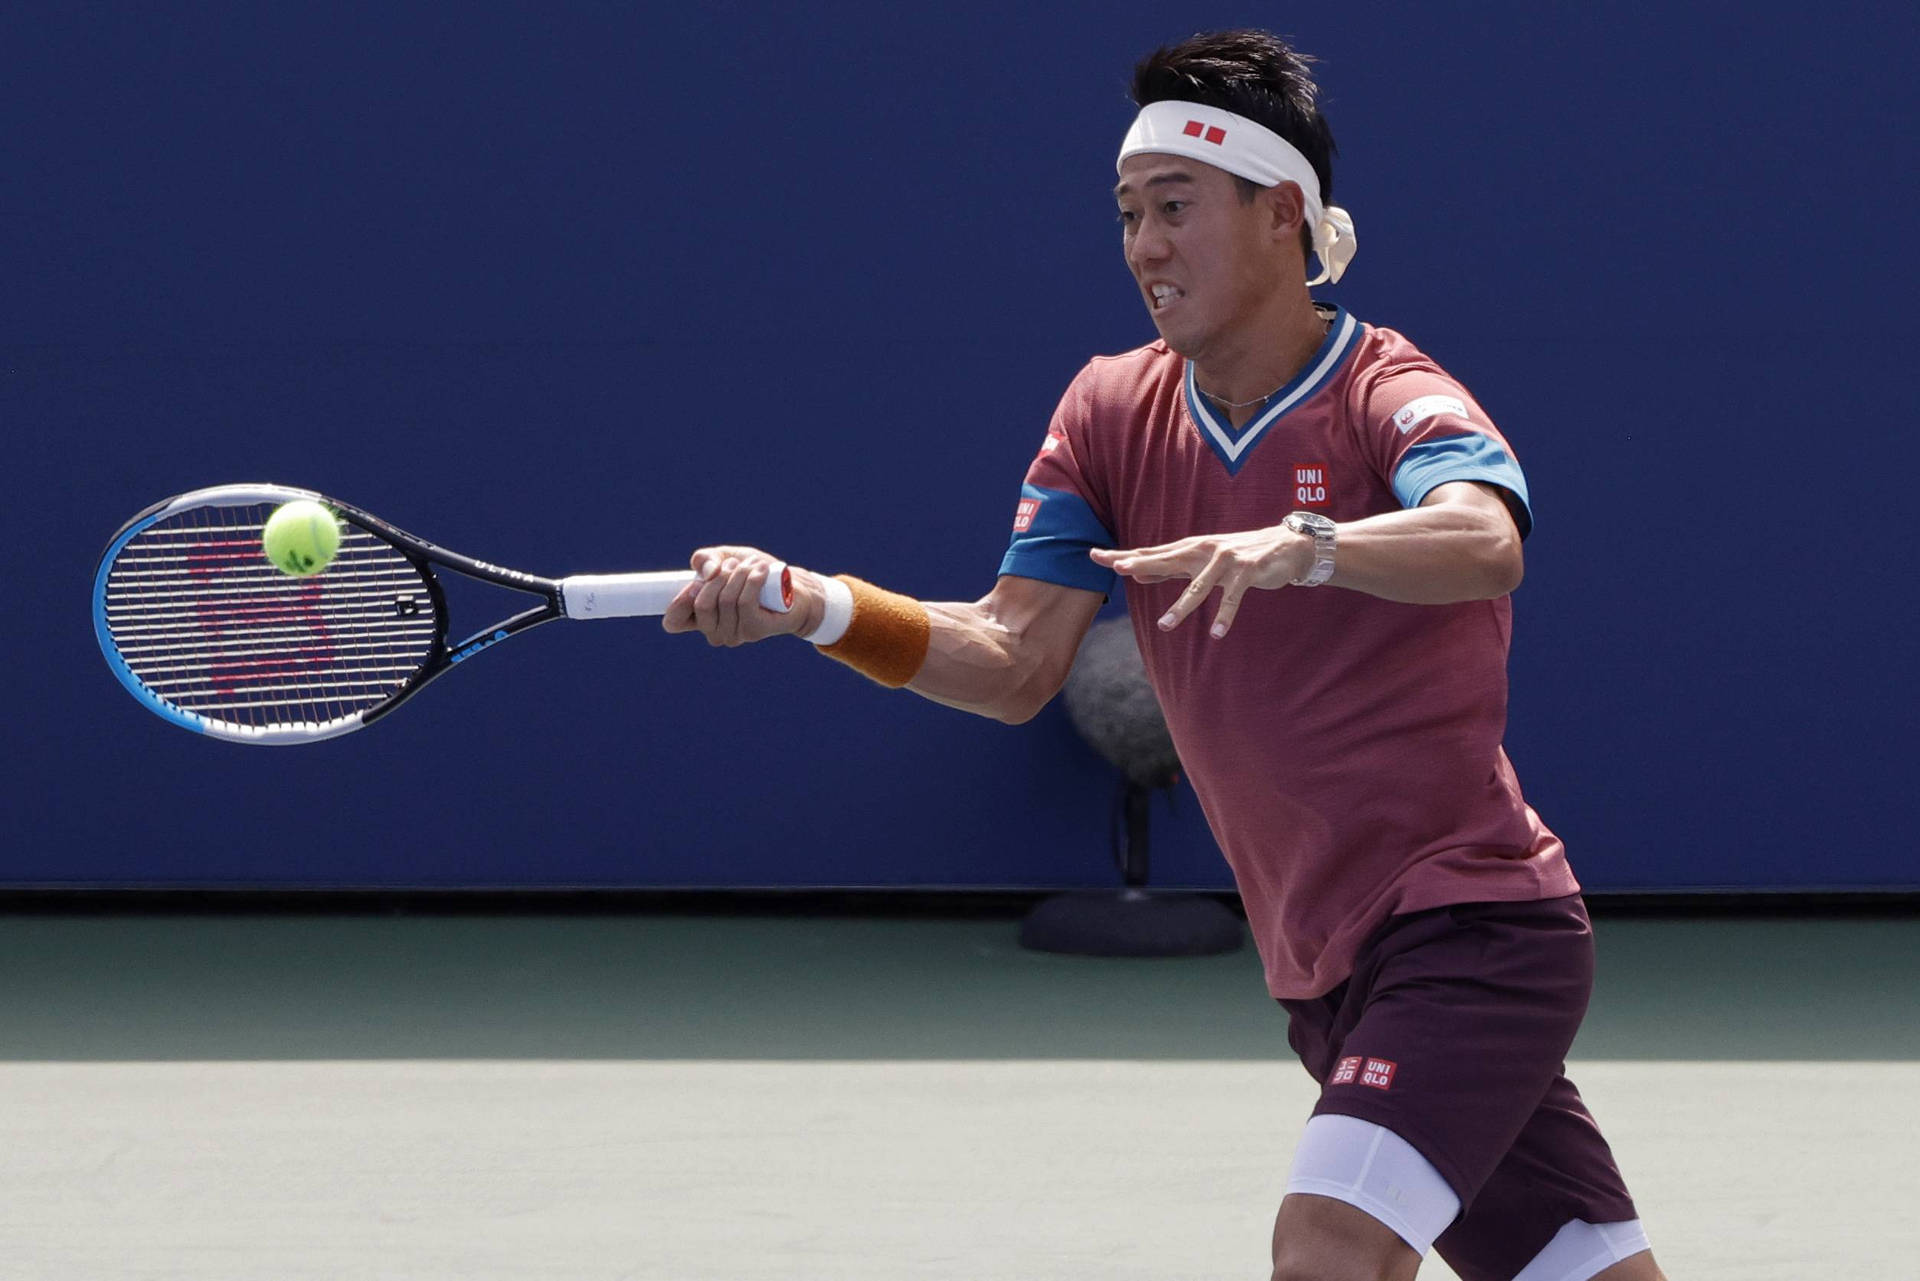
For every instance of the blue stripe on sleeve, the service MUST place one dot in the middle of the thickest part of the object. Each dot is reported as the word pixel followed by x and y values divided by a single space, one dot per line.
pixel 1468 456
pixel 1053 547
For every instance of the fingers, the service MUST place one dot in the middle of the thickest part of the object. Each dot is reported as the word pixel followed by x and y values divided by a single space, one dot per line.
pixel 1155 564
pixel 679 613
pixel 739 599
pixel 1229 564
pixel 723 601
pixel 1229 606
pixel 718 630
pixel 1198 590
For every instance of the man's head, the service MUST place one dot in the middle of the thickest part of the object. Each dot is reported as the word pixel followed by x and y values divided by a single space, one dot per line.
pixel 1253 74
pixel 1211 249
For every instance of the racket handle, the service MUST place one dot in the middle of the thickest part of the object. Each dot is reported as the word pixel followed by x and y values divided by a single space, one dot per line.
pixel 648 595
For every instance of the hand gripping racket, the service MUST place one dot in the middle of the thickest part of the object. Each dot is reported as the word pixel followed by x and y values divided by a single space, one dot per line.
pixel 204 630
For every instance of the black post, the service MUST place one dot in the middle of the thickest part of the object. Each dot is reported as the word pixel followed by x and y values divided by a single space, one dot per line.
pixel 1133 854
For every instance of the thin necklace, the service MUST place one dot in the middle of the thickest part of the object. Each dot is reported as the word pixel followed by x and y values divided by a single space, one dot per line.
pixel 1224 403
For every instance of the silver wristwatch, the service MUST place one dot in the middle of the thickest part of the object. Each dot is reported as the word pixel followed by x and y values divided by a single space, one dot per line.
pixel 1321 530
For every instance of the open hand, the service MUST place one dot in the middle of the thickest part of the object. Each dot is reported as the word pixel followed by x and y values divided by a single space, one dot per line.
pixel 1267 558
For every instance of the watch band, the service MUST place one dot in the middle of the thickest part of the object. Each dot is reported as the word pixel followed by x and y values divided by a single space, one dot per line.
pixel 1322 531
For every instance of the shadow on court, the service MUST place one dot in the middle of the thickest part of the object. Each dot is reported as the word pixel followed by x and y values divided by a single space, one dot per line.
pixel 669 986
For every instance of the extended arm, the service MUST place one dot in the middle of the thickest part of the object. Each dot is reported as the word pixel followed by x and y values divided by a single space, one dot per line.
pixel 1459 544
pixel 1002 656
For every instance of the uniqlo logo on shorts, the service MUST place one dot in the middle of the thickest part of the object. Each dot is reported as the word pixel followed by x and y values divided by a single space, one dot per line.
pixel 1023 515
pixel 1310 484
pixel 1356 1069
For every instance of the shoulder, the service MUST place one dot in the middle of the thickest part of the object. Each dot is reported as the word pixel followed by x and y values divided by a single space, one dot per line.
pixel 1384 353
pixel 1390 373
pixel 1126 383
pixel 1129 371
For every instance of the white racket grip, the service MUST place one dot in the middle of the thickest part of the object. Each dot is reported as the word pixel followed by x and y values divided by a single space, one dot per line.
pixel 648 595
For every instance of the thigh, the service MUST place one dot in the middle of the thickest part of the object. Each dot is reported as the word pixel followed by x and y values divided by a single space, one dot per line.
pixel 1455 1027
pixel 1558 1169
pixel 1328 1240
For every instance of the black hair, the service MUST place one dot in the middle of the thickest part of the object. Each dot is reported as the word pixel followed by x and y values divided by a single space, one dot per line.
pixel 1254 74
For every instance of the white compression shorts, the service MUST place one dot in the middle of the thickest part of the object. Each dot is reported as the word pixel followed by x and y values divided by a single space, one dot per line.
pixel 1375 1170
pixel 1581 1249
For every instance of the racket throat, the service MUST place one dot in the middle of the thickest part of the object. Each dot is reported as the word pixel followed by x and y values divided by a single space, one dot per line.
pixel 487 638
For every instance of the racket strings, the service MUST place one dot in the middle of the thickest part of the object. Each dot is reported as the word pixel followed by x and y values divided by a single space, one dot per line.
pixel 204 620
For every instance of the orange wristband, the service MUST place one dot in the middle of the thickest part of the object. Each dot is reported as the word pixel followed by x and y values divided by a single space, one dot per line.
pixel 887 639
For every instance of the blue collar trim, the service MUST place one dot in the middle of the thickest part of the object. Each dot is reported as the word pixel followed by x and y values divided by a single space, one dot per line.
pixel 1233 445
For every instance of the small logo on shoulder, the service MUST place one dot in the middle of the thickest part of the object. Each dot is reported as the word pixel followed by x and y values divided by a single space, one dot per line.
pixel 1358 1069
pixel 1023 515
pixel 1415 412
pixel 1310 484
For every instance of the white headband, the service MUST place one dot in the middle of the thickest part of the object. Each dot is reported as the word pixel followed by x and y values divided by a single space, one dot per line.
pixel 1251 151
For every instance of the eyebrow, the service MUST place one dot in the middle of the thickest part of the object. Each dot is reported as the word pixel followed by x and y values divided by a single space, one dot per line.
pixel 1158 180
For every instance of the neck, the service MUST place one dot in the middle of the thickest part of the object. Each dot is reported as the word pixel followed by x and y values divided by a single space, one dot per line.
pixel 1258 359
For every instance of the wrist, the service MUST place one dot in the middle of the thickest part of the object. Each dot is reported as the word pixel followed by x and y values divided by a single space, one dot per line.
pixel 885 635
pixel 829 611
pixel 1317 542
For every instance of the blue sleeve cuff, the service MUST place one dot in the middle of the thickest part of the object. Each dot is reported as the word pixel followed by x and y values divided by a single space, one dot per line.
pixel 1052 535
pixel 1469 456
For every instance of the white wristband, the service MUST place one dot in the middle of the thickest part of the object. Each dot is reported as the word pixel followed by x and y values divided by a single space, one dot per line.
pixel 839 615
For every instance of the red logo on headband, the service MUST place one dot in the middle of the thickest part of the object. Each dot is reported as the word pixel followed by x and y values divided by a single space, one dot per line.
pixel 1212 133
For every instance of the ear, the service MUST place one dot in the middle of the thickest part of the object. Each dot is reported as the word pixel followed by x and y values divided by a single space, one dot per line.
pixel 1286 211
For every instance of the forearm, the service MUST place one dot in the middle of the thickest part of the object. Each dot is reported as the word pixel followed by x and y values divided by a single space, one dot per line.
pixel 1002 656
pixel 1431 555
pixel 975 663
pixel 996 657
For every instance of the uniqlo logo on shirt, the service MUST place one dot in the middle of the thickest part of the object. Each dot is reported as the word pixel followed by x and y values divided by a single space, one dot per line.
pixel 1023 514
pixel 1310 484
pixel 1356 1069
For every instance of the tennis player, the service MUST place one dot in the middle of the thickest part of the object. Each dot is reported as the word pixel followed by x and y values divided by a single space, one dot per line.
pixel 1319 529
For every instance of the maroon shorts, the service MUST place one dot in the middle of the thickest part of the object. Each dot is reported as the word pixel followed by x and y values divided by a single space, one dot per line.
pixel 1452 1032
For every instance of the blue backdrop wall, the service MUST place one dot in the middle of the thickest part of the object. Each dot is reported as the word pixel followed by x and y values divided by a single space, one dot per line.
pixel 577 287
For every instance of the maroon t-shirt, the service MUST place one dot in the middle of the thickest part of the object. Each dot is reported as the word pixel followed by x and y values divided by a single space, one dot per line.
pixel 1346 749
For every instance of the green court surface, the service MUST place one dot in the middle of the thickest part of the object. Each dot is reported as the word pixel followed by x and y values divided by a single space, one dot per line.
pixel 840 986
pixel 677 1095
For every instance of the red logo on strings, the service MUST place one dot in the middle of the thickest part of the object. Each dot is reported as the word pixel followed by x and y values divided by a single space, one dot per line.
pixel 300 639
pixel 1212 133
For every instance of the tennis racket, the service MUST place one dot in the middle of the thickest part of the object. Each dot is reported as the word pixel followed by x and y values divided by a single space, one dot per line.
pixel 204 630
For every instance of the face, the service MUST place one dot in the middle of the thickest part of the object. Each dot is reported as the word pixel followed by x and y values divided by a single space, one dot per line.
pixel 1206 262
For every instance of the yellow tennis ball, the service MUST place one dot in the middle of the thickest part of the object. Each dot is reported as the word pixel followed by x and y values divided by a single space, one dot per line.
pixel 301 537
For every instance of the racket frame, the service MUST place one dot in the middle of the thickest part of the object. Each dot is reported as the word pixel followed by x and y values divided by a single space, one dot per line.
pixel 585 596
pixel 442 656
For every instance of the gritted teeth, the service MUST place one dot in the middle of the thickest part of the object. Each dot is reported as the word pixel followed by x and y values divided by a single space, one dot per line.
pixel 1161 293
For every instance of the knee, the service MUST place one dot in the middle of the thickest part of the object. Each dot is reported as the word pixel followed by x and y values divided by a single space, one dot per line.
pixel 1320 1261
pixel 1322 1268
